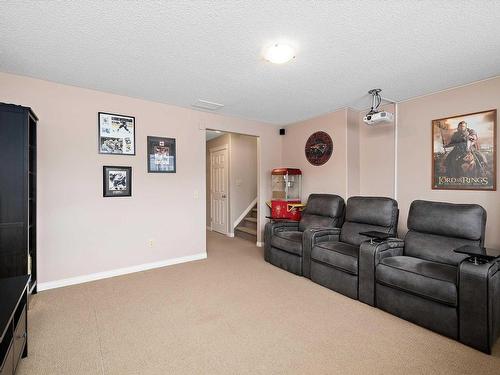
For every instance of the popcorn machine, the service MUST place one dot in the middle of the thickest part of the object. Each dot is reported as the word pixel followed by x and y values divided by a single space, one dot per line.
pixel 286 187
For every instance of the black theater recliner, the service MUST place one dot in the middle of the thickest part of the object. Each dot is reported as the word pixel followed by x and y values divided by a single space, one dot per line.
pixel 424 281
pixel 333 259
pixel 284 242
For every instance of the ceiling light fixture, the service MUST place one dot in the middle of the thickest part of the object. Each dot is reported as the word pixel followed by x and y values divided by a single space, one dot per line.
pixel 279 53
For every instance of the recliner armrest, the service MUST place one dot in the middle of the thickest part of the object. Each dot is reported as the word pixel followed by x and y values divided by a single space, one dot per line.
pixel 311 237
pixel 322 234
pixel 478 299
pixel 283 225
pixel 370 254
pixel 271 228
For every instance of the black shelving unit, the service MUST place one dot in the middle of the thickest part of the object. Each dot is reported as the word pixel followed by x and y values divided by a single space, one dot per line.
pixel 18 192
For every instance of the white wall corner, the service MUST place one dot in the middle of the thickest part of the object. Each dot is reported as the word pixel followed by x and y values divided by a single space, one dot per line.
pixel 120 271
pixel 244 213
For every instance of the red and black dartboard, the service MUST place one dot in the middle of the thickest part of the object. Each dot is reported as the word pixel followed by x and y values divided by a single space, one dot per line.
pixel 319 148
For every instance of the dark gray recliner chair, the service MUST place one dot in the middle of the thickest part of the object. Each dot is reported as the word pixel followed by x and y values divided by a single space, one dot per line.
pixel 424 281
pixel 284 242
pixel 334 261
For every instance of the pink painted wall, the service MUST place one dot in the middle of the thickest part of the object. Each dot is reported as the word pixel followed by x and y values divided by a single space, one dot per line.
pixel 353 153
pixel 330 177
pixel 242 175
pixel 372 171
pixel 82 233
pixel 414 150
pixel 376 154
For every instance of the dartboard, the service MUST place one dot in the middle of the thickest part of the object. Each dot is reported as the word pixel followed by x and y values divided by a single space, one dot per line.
pixel 319 148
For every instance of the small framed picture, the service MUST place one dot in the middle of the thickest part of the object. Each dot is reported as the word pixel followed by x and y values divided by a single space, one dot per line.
pixel 116 134
pixel 117 181
pixel 161 155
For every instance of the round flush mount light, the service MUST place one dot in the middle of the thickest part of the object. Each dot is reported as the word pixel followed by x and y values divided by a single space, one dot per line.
pixel 279 53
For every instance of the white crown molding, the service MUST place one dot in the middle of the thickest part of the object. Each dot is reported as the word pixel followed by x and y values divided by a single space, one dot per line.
pixel 117 272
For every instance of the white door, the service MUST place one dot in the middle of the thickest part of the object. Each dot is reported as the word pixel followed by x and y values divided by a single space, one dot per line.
pixel 219 189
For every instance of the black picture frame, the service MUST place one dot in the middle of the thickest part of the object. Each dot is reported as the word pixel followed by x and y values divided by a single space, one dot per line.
pixel 453 159
pixel 122 187
pixel 114 134
pixel 161 155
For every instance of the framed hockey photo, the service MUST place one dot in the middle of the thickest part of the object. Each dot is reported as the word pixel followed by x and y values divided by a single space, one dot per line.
pixel 117 181
pixel 464 152
pixel 116 134
pixel 161 155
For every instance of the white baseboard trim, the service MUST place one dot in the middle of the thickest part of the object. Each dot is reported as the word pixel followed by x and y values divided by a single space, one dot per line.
pixel 120 271
pixel 230 234
pixel 260 244
pixel 244 213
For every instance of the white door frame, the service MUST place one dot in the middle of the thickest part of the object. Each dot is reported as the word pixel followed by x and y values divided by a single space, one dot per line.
pixel 261 206
pixel 211 151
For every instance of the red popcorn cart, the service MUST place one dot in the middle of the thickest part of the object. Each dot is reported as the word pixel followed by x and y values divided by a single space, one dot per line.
pixel 286 187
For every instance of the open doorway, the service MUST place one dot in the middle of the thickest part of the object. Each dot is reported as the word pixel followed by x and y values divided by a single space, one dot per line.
pixel 232 184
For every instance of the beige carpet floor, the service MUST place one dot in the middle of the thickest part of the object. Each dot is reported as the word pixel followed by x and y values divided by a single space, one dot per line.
pixel 230 314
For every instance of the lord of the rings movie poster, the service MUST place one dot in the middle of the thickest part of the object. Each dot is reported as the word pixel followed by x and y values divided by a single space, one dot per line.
pixel 464 152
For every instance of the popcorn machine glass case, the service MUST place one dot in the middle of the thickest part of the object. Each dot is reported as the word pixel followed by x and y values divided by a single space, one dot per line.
pixel 286 186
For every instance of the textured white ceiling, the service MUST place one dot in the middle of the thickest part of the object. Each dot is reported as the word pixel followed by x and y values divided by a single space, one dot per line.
pixel 212 134
pixel 180 51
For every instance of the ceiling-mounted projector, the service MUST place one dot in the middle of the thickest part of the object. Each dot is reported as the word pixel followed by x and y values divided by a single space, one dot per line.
pixel 375 117
pixel 378 117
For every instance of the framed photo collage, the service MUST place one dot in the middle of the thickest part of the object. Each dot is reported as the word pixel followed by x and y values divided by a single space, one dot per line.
pixel 116 136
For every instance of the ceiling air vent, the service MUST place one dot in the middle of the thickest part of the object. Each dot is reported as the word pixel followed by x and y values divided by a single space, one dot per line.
pixel 209 106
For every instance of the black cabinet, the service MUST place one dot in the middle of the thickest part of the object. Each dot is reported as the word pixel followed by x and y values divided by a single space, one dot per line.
pixel 13 322
pixel 18 192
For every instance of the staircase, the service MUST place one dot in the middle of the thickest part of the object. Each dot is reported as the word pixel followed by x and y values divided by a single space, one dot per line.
pixel 247 228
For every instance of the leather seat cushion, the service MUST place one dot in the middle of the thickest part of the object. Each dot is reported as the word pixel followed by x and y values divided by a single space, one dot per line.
pixel 339 255
pixel 290 241
pixel 322 210
pixel 427 279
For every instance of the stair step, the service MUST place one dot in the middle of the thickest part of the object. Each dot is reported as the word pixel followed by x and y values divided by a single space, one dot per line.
pixel 254 209
pixel 252 219
pixel 247 230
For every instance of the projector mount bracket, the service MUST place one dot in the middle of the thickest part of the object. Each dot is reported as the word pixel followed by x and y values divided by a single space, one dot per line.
pixel 376 100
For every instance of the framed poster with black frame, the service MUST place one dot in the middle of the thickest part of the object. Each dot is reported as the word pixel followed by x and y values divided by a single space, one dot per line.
pixel 116 134
pixel 464 152
pixel 161 156
pixel 116 181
